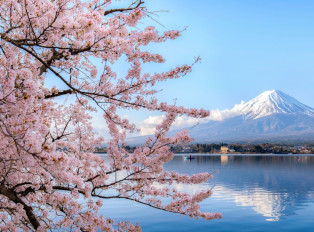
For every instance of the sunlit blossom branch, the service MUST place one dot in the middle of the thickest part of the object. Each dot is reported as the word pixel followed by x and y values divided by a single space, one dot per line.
pixel 47 149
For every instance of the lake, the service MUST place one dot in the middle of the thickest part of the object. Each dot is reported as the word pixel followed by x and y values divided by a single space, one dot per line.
pixel 253 192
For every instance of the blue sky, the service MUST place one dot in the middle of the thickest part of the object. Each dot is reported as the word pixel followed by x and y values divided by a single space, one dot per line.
pixel 246 47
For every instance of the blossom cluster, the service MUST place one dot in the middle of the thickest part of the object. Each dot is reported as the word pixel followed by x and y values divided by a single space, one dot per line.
pixel 50 177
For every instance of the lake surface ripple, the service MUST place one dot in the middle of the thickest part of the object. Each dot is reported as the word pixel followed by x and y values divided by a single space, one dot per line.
pixel 254 193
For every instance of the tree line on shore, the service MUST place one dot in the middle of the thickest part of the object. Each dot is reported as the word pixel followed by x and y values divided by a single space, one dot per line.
pixel 235 148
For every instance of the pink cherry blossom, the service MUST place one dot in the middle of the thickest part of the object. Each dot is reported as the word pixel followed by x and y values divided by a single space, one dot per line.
pixel 50 177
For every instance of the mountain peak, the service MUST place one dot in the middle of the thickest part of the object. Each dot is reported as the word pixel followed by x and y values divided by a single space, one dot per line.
pixel 272 116
pixel 272 102
pixel 272 93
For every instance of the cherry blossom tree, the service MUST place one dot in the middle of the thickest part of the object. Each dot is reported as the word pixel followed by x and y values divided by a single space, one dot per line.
pixel 50 177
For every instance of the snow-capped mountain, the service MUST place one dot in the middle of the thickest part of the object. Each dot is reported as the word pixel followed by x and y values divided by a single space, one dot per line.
pixel 272 102
pixel 272 116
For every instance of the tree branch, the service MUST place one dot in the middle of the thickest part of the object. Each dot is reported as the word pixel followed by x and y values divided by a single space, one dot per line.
pixel 140 2
pixel 9 193
pixel 60 93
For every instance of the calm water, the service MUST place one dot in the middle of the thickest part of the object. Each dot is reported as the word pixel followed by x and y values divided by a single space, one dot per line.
pixel 254 193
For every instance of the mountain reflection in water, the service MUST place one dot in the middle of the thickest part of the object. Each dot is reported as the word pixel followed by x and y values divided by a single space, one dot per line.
pixel 254 193
pixel 274 186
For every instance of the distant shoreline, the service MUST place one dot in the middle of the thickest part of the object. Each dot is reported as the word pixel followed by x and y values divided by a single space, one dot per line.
pixel 235 153
pixel 224 148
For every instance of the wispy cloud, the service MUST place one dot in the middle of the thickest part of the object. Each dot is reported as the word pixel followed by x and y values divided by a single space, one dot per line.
pixel 149 124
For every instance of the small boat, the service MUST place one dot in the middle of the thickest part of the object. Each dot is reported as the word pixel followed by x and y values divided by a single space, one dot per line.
pixel 189 157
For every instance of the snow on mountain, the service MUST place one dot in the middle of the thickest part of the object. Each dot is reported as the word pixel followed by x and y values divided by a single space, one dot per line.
pixel 272 102
pixel 272 116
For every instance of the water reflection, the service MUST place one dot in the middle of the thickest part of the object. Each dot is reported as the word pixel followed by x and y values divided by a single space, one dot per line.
pixel 275 187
